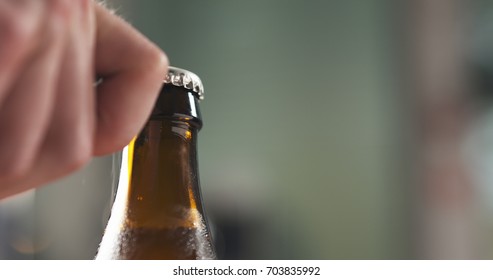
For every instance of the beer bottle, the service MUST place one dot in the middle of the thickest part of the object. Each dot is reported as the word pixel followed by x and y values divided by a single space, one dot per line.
pixel 158 212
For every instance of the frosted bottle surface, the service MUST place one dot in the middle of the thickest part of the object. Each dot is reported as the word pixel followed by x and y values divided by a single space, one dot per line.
pixel 158 212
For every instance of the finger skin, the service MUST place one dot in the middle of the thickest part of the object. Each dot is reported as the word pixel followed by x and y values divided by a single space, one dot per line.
pixel 27 110
pixel 70 137
pixel 18 37
pixel 133 69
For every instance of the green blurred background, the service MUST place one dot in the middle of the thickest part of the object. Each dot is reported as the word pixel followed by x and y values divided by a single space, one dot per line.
pixel 308 144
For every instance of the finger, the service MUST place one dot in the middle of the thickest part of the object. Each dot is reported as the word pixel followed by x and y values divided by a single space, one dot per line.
pixel 27 109
pixel 19 25
pixel 68 145
pixel 132 69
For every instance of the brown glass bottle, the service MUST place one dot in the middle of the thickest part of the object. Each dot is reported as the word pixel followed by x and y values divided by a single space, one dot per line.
pixel 158 212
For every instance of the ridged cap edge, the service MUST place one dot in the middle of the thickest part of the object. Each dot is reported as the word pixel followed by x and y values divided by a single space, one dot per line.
pixel 186 79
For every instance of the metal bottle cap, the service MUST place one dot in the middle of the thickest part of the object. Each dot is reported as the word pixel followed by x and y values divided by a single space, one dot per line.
pixel 184 78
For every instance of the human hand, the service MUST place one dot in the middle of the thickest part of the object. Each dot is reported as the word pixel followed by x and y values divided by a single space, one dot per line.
pixel 53 119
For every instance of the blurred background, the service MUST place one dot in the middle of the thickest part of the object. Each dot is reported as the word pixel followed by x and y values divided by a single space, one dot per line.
pixel 340 129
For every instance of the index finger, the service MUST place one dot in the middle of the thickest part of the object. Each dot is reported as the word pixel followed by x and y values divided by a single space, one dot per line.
pixel 133 69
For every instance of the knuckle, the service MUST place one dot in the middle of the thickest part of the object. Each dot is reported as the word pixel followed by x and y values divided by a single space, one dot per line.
pixel 110 142
pixel 79 157
pixel 122 141
pixel 118 140
pixel 76 157
pixel 76 160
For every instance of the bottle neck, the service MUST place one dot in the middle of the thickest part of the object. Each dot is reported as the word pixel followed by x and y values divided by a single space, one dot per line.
pixel 178 104
pixel 159 182
pixel 157 212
